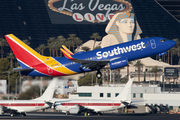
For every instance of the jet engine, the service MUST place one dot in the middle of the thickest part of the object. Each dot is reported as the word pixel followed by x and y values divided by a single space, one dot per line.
pixel 117 63
pixel 74 110
pixel 1 110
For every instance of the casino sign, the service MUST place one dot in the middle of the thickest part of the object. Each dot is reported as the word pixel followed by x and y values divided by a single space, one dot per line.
pixel 85 11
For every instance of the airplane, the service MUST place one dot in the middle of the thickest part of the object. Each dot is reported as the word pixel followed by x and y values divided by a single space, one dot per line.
pixel 89 106
pixel 15 107
pixel 117 56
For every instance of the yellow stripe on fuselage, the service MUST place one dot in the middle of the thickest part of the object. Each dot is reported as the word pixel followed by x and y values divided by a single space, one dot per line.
pixel 49 61
pixel 52 63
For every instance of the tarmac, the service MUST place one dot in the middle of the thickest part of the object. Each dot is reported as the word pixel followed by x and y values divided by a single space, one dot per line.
pixel 60 116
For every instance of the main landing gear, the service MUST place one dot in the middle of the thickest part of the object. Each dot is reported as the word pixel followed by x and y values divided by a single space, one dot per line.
pixel 14 114
pixel 98 74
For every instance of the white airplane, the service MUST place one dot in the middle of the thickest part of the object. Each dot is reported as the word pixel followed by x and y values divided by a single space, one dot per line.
pixel 89 106
pixel 22 106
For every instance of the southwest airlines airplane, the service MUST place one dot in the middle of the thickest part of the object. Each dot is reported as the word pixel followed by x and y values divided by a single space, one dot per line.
pixel 22 106
pixel 117 56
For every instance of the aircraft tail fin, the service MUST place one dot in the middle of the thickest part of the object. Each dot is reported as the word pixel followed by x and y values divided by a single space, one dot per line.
pixel 67 55
pixel 49 92
pixel 26 56
pixel 67 50
pixel 125 94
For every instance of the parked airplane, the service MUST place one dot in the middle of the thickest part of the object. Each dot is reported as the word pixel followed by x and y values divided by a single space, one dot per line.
pixel 89 106
pixel 34 64
pixel 22 106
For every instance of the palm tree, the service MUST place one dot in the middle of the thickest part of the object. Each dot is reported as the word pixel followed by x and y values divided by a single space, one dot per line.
pixel 68 43
pixel 139 64
pixel 38 49
pixel 53 48
pixel 26 42
pixel 85 48
pixel 41 48
pixel 72 37
pixel 155 70
pixel 97 47
pixel 11 57
pixel 77 41
pixel 51 39
pixel 3 43
pixel 95 36
pixel 175 49
pixel 119 76
pixel 61 41
pixel 172 50
pixel 49 44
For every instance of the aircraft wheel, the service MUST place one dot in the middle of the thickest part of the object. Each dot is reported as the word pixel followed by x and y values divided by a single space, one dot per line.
pixel 67 113
pixel 89 114
pixel 23 114
pixel 99 114
pixel 12 114
pixel 99 75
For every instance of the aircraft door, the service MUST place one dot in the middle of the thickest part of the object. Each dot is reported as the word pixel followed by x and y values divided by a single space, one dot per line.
pixel 153 44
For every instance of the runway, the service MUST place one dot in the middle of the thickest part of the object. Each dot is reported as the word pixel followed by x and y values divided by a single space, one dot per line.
pixel 60 116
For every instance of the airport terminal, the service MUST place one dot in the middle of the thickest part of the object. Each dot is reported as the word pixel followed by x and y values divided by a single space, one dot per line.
pixel 152 91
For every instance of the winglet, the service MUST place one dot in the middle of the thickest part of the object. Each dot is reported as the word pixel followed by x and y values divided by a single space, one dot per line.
pixel 66 54
pixel 67 50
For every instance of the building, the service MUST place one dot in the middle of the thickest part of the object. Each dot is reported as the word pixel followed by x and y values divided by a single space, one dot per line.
pixel 172 6
pixel 31 20
pixel 143 96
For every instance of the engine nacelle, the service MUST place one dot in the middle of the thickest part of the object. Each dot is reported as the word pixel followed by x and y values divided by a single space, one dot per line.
pixel 74 110
pixel 117 63
pixel 1 110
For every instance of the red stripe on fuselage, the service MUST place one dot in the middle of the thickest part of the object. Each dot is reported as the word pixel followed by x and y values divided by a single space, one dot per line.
pixel 91 104
pixel 21 104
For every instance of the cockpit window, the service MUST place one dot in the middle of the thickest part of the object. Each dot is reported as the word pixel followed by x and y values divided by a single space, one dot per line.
pixel 163 40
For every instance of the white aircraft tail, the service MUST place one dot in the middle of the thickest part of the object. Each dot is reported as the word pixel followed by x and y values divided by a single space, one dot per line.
pixel 48 93
pixel 125 94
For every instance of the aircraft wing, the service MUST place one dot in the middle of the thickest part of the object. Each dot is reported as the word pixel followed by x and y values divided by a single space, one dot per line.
pixel 83 109
pixel 21 69
pixel 90 63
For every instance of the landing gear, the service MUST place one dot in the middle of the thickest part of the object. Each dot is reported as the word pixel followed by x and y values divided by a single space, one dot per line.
pixel 87 114
pixel 67 113
pixel 98 74
pixel 23 114
pixel 99 113
pixel 12 114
